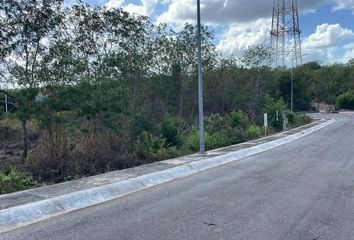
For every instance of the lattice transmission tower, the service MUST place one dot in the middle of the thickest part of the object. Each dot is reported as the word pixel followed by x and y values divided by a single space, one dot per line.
pixel 285 34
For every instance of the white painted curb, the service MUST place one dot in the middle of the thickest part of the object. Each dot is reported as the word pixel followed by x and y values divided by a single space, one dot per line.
pixel 23 215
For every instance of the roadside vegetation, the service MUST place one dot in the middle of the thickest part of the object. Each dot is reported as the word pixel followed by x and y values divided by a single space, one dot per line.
pixel 99 90
pixel 345 101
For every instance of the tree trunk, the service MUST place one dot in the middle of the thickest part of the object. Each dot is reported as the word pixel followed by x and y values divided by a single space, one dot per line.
pixel 25 139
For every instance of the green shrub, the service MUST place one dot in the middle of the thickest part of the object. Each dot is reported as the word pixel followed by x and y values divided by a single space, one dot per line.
pixel 271 106
pixel 11 181
pixel 215 123
pixel 297 119
pixel 238 120
pixel 191 141
pixel 212 141
pixel 215 140
pixel 153 147
pixel 236 135
pixel 291 117
pixel 170 130
pixel 148 145
pixel 167 153
pixel 253 132
pixel 233 128
pixel 345 101
pixel 141 122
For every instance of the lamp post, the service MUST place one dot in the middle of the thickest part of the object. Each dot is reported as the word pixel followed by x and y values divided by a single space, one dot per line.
pixel 200 83
pixel 292 86
pixel 6 108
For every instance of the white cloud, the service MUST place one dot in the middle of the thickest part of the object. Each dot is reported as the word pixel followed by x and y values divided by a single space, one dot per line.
pixel 310 11
pixel 344 4
pixel 330 43
pixel 327 42
pixel 178 12
pixel 349 52
pixel 146 7
pixel 149 6
pixel 328 35
pixel 225 11
pixel 240 36
pixel 114 3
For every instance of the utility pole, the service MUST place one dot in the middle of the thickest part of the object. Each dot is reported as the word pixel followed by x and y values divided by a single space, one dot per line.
pixel 292 85
pixel 200 83
pixel 6 108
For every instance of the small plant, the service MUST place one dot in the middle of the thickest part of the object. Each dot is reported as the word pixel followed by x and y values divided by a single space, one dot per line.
pixel 191 141
pixel 297 119
pixel 215 140
pixel 169 152
pixel 253 132
pixel 11 181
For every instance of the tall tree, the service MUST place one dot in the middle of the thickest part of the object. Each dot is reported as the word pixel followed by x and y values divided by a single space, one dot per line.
pixel 26 26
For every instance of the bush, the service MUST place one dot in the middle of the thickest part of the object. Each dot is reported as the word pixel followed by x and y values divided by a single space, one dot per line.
pixel 10 129
pixel 220 131
pixel 271 106
pixel 191 141
pixel 101 150
pixel 50 159
pixel 291 117
pixel 215 140
pixel 11 181
pixel 148 145
pixel 297 119
pixel 141 122
pixel 345 101
pixel 152 148
pixel 59 155
pixel 253 132
pixel 238 120
pixel 215 123
pixel 227 130
pixel 212 141
pixel 170 130
pixel 167 153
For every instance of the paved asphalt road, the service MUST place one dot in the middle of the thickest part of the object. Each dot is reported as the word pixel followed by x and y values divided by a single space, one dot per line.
pixel 303 190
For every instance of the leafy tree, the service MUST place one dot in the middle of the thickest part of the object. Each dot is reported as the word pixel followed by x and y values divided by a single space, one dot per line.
pixel 256 56
pixel 25 27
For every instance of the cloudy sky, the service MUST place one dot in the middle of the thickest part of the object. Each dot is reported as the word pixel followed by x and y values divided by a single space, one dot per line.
pixel 327 25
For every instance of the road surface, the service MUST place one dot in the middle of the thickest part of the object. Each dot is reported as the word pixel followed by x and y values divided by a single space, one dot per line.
pixel 303 190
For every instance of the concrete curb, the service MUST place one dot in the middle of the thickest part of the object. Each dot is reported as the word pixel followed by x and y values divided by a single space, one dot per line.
pixel 23 215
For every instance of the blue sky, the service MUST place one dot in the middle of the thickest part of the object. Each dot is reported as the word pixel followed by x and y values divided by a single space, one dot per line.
pixel 327 25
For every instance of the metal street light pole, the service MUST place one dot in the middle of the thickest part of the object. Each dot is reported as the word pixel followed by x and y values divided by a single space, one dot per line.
pixel 292 85
pixel 6 108
pixel 200 84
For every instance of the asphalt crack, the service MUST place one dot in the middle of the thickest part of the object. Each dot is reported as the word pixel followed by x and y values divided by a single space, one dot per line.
pixel 209 224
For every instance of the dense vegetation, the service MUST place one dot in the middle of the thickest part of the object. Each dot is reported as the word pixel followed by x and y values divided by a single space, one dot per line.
pixel 100 89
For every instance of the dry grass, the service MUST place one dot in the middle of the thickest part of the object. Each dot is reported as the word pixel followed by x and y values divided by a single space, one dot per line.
pixel 102 150
pixel 57 157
